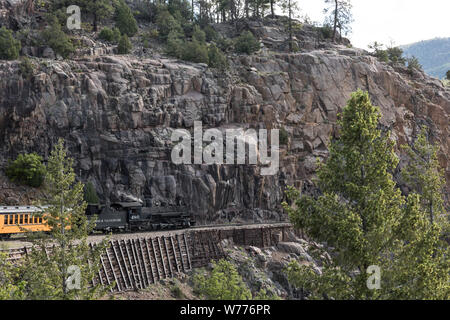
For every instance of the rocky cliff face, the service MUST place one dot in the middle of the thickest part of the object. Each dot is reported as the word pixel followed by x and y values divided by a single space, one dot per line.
pixel 117 113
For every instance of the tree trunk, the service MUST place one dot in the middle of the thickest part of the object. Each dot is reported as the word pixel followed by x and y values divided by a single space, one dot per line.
pixel 95 22
pixel 335 20
pixel 271 9
pixel 290 26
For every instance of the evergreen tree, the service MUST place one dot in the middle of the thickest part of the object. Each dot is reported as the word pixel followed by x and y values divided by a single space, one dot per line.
pixel 247 43
pixel 55 37
pixel 47 269
pixel 290 7
pixel 448 75
pixel 9 289
pixel 96 10
pixel 174 45
pixel 422 267
pixel 166 24
pixel 340 16
pixel 195 51
pixel 363 216
pixel 100 10
pixel 224 283
pixel 125 21
pixel 9 47
pixel 425 177
pixel 216 59
pixel 125 45
pixel 413 64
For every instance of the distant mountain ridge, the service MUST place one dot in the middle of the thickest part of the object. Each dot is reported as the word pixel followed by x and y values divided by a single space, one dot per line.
pixel 434 55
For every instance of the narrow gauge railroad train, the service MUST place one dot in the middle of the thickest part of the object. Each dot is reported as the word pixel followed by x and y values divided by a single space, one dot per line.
pixel 119 216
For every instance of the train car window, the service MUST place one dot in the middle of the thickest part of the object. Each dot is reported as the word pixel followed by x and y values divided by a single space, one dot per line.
pixel 21 219
pixel 25 219
pixel 6 219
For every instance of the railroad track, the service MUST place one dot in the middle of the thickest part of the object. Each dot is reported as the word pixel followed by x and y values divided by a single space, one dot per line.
pixel 137 262
pixel 211 226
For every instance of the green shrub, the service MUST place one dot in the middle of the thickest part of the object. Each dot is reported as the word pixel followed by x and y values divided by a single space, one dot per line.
pixel 125 45
pixel 90 195
pixel 9 47
pixel 224 283
pixel 225 44
pixel 177 292
pixel 174 45
pixel 195 51
pixel 395 55
pixel 448 75
pixel 284 136
pixel 166 24
pixel 211 34
pixel 26 68
pixel 413 64
pixel 263 295
pixel 27 169
pixel 125 21
pixel 110 35
pixel 296 26
pixel 216 58
pixel 326 31
pixel 382 55
pixel 246 43
pixel 56 39
pixel 199 35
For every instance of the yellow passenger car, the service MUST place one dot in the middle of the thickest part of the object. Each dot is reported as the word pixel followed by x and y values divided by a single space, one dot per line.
pixel 20 219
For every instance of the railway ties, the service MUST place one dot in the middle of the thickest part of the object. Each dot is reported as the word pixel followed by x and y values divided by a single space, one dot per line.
pixel 135 264
pixel 138 261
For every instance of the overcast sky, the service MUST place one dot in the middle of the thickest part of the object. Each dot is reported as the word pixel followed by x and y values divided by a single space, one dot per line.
pixel 400 21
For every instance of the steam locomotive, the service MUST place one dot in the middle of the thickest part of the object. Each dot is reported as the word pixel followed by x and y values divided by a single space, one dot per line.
pixel 119 216
pixel 133 216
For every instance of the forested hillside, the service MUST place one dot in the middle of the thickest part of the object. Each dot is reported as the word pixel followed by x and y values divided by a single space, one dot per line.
pixel 434 55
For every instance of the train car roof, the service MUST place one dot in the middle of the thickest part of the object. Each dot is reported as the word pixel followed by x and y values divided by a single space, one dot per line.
pixel 20 209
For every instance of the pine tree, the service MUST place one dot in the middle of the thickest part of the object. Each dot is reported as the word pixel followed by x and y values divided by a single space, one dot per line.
pixel 100 10
pixel 340 16
pixel 366 221
pixel 9 47
pixel 125 21
pixel 423 264
pixel 290 7
pixel 358 209
pixel 424 176
pixel 124 45
pixel 65 249
pixel 10 289
pixel 224 283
